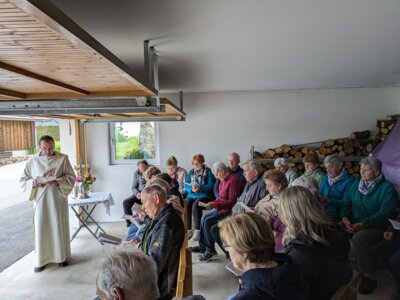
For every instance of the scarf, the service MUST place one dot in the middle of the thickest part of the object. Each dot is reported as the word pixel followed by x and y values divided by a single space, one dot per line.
pixel 338 178
pixel 312 173
pixel 366 186
pixel 199 176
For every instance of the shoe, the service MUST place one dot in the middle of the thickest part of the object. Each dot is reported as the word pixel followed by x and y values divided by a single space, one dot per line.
pixel 63 264
pixel 207 256
pixel 189 234
pixel 39 269
pixel 367 285
pixel 395 296
pixel 196 249
pixel 195 236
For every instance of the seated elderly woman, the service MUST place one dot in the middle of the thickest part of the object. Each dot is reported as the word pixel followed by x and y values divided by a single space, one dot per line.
pixel 229 190
pixel 371 201
pixel 312 169
pixel 199 186
pixel 281 165
pixel 177 173
pixel 314 242
pixel 150 173
pixel 275 182
pixel 334 186
pixel 250 243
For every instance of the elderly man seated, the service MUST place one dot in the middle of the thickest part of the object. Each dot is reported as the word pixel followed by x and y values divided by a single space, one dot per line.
pixel 130 275
pixel 163 236
pixel 229 190
pixel 281 165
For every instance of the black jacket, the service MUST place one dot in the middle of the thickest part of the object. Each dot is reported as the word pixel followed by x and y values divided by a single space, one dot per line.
pixel 162 241
pixel 284 282
pixel 325 269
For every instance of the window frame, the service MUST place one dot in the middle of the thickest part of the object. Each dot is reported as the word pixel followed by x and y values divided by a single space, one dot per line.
pixel 131 162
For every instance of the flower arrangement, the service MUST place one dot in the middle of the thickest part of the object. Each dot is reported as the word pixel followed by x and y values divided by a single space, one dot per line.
pixel 87 179
pixel 83 182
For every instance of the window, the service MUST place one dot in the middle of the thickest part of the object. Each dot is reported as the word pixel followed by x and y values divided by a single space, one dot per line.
pixel 132 141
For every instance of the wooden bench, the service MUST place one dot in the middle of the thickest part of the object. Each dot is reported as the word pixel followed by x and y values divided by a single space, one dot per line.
pixel 184 284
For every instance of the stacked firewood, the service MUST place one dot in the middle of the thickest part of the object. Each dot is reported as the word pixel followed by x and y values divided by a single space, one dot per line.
pixel 359 144
pixel 384 128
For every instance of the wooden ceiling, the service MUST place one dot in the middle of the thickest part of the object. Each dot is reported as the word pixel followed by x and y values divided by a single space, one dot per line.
pixel 45 55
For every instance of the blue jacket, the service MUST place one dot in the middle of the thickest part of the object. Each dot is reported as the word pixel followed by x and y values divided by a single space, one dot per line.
pixel 206 189
pixel 373 209
pixel 284 282
pixel 336 194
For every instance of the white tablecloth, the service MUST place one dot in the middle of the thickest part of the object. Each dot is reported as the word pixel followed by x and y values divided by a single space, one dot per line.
pixel 95 198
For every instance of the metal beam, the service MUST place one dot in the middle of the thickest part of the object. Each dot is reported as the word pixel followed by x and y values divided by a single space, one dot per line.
pixel 93 106
pixel 135 119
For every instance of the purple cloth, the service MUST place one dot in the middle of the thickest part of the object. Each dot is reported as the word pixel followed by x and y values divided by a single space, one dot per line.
pixel 388 151
pixel 279 228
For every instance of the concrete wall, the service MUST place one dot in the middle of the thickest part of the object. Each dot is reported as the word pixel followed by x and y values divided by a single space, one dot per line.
pixel 218 123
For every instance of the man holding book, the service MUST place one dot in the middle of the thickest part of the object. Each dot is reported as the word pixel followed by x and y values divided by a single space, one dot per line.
pixel 50 177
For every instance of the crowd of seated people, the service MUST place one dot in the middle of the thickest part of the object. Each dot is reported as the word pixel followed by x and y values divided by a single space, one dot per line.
pixel 303 224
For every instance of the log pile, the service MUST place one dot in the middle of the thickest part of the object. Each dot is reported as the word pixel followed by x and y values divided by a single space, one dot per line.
pixel 384 128
pixel 359 144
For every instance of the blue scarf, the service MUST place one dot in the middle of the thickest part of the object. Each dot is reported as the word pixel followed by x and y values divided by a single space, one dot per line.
pixel 338 178
pixel 199 176
pixel 366 186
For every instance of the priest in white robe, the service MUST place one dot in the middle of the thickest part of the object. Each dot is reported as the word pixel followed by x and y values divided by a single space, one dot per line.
pixel 50 178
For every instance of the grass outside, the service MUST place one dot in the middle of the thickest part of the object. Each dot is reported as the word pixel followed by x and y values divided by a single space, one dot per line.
pixel 122 148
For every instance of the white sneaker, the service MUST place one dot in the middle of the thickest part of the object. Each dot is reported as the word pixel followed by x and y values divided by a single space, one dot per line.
pixel 195 236
pixel 189 234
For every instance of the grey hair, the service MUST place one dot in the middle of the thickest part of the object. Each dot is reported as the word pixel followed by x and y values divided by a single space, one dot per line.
pixel 280 161
pixel 374 163
pixel 217 167
pixel 254 166
pixel 156 189
pixel 133 272
pixel 333 160
pixel 308 182
pixel 235 155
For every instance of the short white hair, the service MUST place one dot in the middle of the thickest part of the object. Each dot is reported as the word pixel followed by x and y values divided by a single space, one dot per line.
pixel 333 160
pixel 308 182
pixel 280 161
pixel 133 272
pixel 217 167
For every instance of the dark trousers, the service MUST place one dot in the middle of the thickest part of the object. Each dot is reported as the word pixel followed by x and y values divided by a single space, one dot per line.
pixel 364 242
pixel 389 253
pixel 128 203
pixel 196 211
pixel 216 236
pixel 206 240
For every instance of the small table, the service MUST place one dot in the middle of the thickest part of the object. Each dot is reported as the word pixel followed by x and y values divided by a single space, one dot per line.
pixel 94 199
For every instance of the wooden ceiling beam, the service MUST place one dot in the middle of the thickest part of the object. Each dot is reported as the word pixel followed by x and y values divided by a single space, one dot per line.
pixel 12 94
pixel 36 76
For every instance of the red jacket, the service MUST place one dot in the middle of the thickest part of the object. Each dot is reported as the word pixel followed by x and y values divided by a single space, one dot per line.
pixel 229 190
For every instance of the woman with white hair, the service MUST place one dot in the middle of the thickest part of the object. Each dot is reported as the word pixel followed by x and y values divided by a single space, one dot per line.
pixel 281 165
pixel 334 186
pixel 371 201
pixel 314 242
pixel 230 188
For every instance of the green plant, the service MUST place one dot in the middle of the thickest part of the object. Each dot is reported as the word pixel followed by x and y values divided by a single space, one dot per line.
pixel 134 154
pixel 32 150
pixel 57 146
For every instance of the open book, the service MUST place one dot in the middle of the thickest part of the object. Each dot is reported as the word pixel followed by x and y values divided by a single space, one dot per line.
pixel 233 270
pixel 395 224
pixel 42 179
pixel 109 239
pixel 202 204
pixel 244 206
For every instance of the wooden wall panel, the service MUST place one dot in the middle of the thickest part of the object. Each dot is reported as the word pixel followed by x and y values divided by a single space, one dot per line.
pixel 16 135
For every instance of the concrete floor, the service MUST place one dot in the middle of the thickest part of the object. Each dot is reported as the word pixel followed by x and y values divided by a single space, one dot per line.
pixel 77 281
